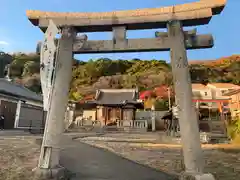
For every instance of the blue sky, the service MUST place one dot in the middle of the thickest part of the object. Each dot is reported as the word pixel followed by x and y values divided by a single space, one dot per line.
pixel 17 34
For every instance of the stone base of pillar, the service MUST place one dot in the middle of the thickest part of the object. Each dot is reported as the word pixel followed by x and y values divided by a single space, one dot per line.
pixel 186 176
pixel 59 173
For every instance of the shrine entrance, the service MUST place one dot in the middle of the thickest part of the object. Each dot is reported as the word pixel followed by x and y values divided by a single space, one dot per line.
pixel 177 41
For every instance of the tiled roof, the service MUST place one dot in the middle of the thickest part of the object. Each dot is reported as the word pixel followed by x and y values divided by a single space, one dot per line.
pixel 198 86
pixel 225 85
pixel 116 96
pixel 7 87
pixel 232 92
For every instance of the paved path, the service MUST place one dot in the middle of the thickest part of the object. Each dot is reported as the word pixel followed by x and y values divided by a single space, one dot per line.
pixel 90 163
pixel 15 133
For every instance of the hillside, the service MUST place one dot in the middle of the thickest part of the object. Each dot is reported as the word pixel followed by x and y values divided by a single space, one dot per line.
pixel 107 73
pixel 216 62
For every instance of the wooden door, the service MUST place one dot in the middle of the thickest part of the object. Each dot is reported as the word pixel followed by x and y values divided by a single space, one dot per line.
pixel 128 114
pixel 113 114
pixel 8 109
pixel 118 114
pixel 110 115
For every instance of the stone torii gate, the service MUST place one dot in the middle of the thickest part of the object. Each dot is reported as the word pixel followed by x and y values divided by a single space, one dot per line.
pixel 176 40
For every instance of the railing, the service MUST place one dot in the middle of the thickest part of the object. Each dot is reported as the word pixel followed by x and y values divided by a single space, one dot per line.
pixel 142 124
pixel 139 115
pixel 86 123
pixel 120 123
pixel 139 123
pixel 124 123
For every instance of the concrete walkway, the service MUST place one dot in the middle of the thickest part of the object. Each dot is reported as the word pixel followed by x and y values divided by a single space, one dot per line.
pixel 15 133
pixel 90 163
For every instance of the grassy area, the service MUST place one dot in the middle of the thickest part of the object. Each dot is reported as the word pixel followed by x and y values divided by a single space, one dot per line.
pixel 18 156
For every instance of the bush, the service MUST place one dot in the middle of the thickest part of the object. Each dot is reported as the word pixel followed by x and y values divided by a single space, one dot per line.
pixel 233 129
pixel 161 105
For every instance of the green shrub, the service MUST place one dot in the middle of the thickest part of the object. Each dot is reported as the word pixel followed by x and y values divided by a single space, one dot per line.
pixel 161 105
pixel 233 128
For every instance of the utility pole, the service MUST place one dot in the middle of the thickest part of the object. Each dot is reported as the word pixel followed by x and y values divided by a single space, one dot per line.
pixel 153 117
pixel 169 98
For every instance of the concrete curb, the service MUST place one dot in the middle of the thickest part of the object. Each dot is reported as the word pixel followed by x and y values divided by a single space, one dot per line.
pixel 204 146
pixel 38 140
pixel 84 135
pixel 110 139
pixel 19 137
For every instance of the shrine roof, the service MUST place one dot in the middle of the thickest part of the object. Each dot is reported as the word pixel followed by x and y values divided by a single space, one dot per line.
pixel 191 14
pixel 116 96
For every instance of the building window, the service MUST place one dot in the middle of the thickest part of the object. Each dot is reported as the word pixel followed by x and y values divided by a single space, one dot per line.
pixel 225 104
pixel 205 93
pixel 223 91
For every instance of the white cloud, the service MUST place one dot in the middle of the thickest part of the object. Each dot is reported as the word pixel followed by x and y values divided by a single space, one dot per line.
pixel 4 43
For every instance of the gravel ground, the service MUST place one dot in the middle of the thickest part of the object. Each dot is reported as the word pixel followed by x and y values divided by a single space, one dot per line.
pixel 224 164
pixel 18 156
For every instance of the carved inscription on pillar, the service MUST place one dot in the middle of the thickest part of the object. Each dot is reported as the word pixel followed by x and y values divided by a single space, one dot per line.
pixel 61 82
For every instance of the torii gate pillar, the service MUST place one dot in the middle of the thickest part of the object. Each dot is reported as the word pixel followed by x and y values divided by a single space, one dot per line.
pixel 49 165
pixel 190 136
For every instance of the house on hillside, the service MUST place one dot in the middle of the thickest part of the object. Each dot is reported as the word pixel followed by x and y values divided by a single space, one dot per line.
pixel 221 88
pixel 207 93
pixel 206 97
pixel 213 107
pixel 234 102
pixel 201 91
pixel 110 105
pixel 21 107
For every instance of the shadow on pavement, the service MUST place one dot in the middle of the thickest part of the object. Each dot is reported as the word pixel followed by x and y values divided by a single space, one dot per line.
pixel 91 163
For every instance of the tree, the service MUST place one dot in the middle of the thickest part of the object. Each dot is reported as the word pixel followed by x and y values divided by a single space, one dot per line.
pixel 5 59
pixel 76 96
pixel 30 68
pixel 107 73
pixel 161 105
